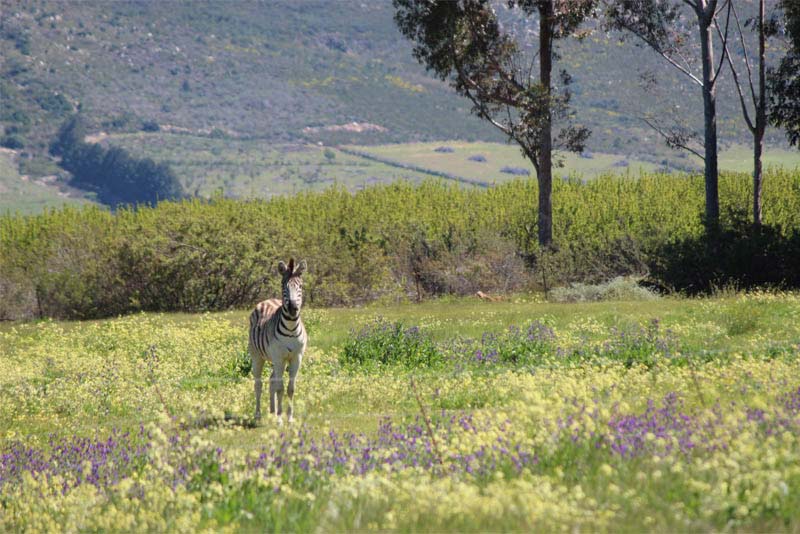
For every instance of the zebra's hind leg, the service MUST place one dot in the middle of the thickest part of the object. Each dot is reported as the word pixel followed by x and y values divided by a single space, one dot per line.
pixel 258 367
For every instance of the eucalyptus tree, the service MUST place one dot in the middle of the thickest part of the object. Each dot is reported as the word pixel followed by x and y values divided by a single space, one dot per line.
pixel 667 26
pixel 464 42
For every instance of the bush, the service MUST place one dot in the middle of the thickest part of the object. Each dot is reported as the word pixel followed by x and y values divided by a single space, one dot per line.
pixel 388 242
pixel 517 171
pixel 384 343
pixel 640 345
pixel 12 141
pixel 459 263
pixel 620 288
pixel 150 126
pixel 530 345
pixel 737 253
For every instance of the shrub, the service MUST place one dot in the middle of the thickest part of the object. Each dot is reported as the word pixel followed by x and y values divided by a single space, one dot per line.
pixel 383 343
pixel 517 171
pixel 12 141
pixel 150 126
pixel 620 288
pixel 736 253
pixel 639 346
pixel 530 345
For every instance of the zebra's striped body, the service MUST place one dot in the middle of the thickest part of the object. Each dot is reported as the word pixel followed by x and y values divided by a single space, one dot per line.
pixel 277 335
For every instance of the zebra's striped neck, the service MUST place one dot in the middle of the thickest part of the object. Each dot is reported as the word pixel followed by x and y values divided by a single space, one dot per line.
pixel 289 325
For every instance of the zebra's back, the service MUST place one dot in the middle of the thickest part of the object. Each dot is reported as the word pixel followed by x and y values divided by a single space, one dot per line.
pixel 260 322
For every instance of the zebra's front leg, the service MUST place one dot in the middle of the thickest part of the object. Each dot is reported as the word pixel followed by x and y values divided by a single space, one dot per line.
pixel 294 367
pixel 258 367
pixel 276 389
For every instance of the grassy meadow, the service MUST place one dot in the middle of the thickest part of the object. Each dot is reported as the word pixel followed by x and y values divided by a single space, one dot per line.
pixel 24 194
pixel 261 169
pixel 666 414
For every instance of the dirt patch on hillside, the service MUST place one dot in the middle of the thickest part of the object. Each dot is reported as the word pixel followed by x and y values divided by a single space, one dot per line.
pixel 351 127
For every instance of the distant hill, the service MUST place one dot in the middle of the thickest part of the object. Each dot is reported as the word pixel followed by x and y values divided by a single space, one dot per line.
pixel 294 72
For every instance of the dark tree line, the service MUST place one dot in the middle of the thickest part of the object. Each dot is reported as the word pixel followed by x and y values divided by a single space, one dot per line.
pixel 115 175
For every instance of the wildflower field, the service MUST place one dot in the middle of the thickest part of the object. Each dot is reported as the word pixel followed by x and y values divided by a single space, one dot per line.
pixel 455 415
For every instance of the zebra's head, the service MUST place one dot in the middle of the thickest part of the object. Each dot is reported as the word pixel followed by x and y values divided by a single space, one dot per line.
pixel 292 285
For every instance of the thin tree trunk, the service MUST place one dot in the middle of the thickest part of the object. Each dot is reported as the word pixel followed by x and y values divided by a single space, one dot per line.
pixel 710 116
pixel 545 171
pixel 761 120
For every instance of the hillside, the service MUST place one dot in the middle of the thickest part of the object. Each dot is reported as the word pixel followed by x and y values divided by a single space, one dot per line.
pixel 284 74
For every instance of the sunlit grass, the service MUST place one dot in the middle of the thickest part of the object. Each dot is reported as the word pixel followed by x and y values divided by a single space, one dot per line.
pixel 670 414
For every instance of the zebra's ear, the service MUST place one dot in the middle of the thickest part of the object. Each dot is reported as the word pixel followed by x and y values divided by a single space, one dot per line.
pixel 282 268
pixel 301 267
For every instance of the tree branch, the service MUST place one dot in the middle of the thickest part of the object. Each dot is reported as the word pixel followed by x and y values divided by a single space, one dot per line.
pixel 746 57
pixel 672 140
pixel 724 40
pixel 738 84
pixel 657 48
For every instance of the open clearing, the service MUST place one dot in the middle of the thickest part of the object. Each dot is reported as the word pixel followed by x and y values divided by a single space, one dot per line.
pixel 668 415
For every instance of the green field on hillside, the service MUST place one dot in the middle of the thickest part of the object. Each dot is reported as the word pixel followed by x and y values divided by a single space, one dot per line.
pixel 668 415
pixel 260 169
pixel 24 194
pixel 735 158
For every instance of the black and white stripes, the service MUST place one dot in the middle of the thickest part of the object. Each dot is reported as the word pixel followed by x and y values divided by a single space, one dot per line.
pixel 277 334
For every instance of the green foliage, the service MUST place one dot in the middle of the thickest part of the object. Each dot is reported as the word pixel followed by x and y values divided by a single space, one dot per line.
pixel 383 343
pixel 150 126
pixel 388 242
pixel 784 82
pixel 620 288
pixel 12 141
pixel 739 254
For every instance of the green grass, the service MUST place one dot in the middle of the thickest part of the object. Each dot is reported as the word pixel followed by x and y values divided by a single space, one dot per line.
pixel 258 168
pixel 27 195
pixel 739 158
pixel 175 375
pixel 735 158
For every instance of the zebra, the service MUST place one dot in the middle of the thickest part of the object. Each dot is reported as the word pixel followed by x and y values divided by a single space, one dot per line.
pixel 277 333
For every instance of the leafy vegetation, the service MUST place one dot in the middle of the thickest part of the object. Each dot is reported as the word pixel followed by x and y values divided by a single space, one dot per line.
pixel 391 242
pixel 382 343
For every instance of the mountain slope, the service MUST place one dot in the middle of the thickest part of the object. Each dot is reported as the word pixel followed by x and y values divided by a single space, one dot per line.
pixel 295 71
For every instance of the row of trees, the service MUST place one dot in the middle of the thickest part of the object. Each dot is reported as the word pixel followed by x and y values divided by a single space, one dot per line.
pixel 116 176
pixel 463 42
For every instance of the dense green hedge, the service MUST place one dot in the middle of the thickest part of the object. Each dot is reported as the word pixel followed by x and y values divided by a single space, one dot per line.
pixel 385 242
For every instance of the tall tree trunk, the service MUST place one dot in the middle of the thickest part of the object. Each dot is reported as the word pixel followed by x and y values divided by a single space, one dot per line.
pixel 705 20
pixel 545 171
pixel 761 119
